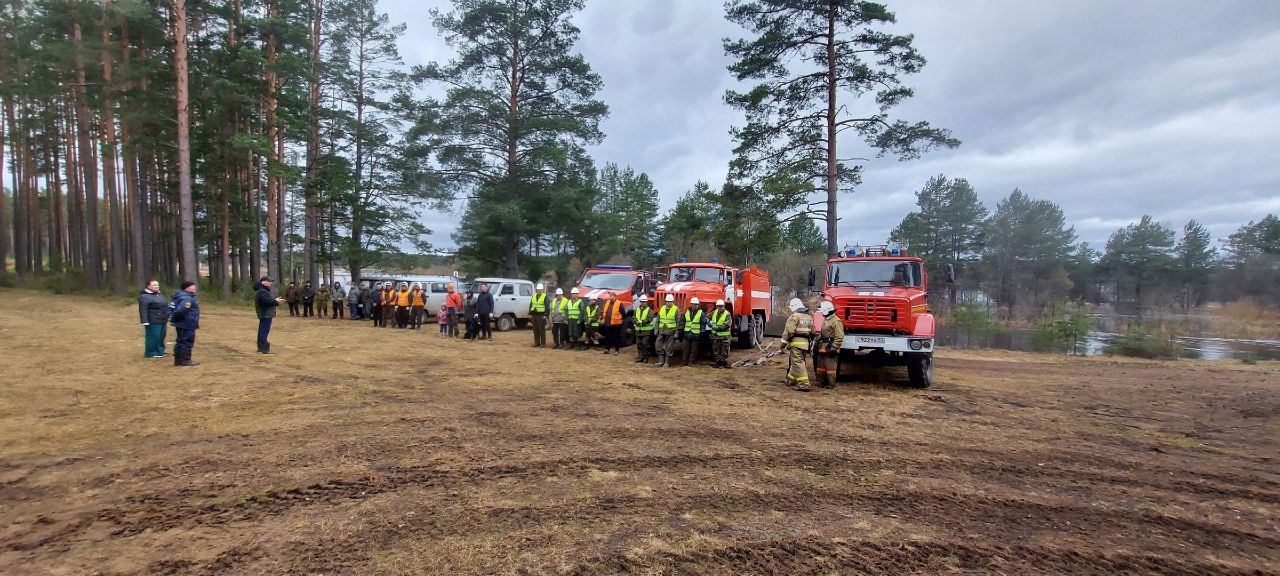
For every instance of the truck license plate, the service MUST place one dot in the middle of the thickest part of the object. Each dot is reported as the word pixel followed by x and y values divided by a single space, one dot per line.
pixel 869 339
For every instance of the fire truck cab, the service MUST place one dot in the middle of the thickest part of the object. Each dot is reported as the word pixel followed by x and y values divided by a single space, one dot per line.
pixel 622 282
pixel 746 293
pixel 880 294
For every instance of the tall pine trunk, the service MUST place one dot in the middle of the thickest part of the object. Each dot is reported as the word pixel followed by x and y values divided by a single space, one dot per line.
pixel 20 253
pixel 186 210
pixel 832 159
pixel 274 253
pixel 312 228
pixel 88 170
pixel 4 236
pixel 117 263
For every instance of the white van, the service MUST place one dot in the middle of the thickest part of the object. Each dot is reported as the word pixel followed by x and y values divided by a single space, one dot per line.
pixel 511 300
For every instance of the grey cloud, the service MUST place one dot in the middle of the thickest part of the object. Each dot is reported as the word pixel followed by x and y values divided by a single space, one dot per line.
pixel 1110 109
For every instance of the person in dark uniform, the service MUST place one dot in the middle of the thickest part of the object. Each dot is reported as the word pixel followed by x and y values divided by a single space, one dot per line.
pixel 184 309
pixel 293 296
pixel 265 305
pixel 153 311
pixel 308 300
pixel 484 309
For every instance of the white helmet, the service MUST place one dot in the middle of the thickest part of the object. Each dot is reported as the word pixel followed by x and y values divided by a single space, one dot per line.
pixel 720 302
pixel 417 285
pixel 694 301
pixel 796 305
pixel 826 307
pixel 540 287
pixel 559 291
pixel 644 298
pixel 574 291
pixel 670 298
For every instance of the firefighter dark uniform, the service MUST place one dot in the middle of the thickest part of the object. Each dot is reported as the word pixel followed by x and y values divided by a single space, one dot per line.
pixel 417 306
pixel 721 326
pixel 184 314
pixel 668 327
pixel 826 359
pixel 691 330
pixel 538 317
pixel 797 334
pixel 644 324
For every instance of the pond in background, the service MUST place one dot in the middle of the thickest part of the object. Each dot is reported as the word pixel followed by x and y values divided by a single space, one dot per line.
pixel 1196 347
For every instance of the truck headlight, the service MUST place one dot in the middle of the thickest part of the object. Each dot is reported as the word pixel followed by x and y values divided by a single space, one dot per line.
pixel 915 344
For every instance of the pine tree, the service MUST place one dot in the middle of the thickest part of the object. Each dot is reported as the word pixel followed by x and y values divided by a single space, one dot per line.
pixel 794 116
pixel 947 228
pixel 519 106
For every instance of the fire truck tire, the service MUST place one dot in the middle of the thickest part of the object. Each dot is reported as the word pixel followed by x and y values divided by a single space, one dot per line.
pixel 920 370
pixel 505 322
pixel 754 333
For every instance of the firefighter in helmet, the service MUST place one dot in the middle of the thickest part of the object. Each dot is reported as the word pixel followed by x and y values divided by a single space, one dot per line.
pixel 827 349
pixel 644 323
pixel 668 327
pixel 721 326
pixel 796 335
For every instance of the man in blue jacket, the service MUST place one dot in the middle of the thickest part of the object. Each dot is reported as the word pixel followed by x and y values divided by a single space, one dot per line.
pixel 265 305
pixel 185 313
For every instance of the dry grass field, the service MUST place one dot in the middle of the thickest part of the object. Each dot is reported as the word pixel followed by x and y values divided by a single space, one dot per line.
pixel 384 452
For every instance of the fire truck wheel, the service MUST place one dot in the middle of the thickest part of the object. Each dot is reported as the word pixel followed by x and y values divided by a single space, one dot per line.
pixel 920 370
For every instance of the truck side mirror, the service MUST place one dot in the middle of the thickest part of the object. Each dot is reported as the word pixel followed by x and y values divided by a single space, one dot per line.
pixel 951 273
pixel 813 276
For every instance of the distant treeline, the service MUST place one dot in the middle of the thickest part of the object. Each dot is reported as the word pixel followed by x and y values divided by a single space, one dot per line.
pixel 1024 256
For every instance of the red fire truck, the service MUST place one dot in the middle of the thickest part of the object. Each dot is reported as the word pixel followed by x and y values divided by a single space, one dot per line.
pixel 880 294
pixel 745 291
pixel 622 282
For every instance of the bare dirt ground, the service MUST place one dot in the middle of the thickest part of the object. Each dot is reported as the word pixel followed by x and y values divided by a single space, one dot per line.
pixel 378 451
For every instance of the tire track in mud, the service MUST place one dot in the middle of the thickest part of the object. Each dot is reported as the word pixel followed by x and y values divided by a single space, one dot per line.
pixel 160 512
pixel 789 556
pixel 984 518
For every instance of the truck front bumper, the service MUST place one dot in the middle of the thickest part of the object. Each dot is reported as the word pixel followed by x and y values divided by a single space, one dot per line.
pixel 854 341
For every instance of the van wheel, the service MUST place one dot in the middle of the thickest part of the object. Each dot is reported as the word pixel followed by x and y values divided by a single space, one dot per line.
pixel 506 322
pixel 920 370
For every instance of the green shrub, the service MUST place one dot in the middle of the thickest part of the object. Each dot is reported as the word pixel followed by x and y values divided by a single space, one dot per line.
pixel 1064 329
pixel 1140 341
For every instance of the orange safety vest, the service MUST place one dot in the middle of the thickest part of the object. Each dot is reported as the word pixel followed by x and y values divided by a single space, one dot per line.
pixel 612 313
pixel 419 297
pixel 386 297
pixel 402 298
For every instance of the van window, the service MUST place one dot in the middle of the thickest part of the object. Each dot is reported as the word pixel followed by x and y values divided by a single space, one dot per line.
pixel 526 290
pixel 507 290
pixel 438 288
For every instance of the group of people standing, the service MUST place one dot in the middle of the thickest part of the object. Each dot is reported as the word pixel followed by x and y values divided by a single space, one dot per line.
pixel 583 324
pixel 575 323
pixel 306 301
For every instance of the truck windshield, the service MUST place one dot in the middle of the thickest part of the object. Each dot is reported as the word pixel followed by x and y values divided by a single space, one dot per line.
pixel 691 274
pixel 607 280
pixel 874 273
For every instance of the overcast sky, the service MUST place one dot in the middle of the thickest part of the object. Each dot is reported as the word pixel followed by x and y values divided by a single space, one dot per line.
pixel 1111 109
